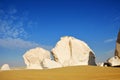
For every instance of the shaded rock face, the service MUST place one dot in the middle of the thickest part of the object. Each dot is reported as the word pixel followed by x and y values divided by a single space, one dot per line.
pixel 5 67
pixel 115 61
pixel 70 51
pixel 117 50
pixel 34 58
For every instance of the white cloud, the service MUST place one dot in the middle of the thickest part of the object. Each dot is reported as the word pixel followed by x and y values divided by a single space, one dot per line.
pixel 109 40
pixel 11 43
pixel 110 52
pixel 17 43
pixel 105 56
pixel 12 32
pixel 12 11
pixel 11 25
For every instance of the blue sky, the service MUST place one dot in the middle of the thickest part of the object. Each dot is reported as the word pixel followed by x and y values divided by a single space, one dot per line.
pixel 25 24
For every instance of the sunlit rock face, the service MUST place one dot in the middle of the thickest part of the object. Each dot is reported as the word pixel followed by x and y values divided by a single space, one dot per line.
pixel 5 67
pixel 47 63
pixel 70 51
pixel 34 58
pixel 114 61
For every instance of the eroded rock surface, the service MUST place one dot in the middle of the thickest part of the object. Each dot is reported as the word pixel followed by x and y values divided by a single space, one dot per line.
pixel 47 63
pixel 114 61
pixel 70 51
pixel 34 58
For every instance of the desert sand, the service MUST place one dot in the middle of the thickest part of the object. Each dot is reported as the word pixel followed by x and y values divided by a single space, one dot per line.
pixel 66 73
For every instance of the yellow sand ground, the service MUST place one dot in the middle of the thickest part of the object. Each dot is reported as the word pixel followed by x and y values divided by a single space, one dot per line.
pixel 66 73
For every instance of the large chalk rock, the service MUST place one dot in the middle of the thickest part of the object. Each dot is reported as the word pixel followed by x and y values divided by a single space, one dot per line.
pixel 114 61
pixel 70 51
pixel 34 58
pixel 47 63
pixel 5 67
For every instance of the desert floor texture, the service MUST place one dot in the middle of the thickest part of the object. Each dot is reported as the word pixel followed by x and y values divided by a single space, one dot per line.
pixel 66 73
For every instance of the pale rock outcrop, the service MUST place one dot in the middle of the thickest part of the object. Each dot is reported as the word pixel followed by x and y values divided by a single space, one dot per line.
pixel 117 50
pixel 5 67
pixel 104 64
pixel 34 58
pixel 70 51
pixel 100 64
pixel 114 61
pixel 49 64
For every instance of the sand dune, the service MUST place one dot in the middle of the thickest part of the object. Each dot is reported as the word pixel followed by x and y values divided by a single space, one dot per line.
pixel 66 73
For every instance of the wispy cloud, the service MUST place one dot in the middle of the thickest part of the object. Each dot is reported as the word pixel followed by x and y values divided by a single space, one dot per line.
pixel 109 40
pixel 12 11
pixel 17 43
pixel 105 56
pixel 11 43
pixel 11 25
pixel 12 32
pixel 117 18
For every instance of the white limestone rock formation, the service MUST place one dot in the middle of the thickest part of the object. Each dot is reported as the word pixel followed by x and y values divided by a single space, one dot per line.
pixel 49 64
pixel 114 61
pixel 100 64
pixel 70 51
pixel 5 67
pixel 34 58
